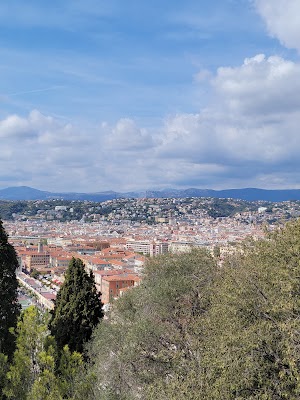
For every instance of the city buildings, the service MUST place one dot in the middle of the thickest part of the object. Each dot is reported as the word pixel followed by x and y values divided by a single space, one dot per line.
pixel 115 246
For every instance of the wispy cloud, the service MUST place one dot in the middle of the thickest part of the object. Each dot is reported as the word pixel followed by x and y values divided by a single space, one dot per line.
pixel 56 14
pixel 34 91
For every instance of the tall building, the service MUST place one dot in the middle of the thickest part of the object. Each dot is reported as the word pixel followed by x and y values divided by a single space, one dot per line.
pixel 148 247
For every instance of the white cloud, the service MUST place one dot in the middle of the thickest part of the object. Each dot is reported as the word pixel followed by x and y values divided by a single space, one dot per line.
pixel 248 136
pixel 251 130
pixel 13 125
pixel 43 152
pixel 127 136
pixel 260 86
pixel 282 20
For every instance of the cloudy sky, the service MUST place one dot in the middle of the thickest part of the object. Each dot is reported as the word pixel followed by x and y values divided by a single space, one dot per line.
pixel 130 95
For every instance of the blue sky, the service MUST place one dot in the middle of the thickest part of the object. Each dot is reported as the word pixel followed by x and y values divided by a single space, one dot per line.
pixel 99 95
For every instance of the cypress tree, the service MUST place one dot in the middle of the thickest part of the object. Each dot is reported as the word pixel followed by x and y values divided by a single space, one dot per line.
pixel 78 308
pixel 9 306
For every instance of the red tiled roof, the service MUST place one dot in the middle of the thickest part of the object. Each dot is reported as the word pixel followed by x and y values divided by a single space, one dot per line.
pixel 122 277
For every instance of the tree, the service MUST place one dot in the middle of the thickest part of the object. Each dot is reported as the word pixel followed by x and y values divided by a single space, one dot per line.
pixel 46 386
pixel 78 308
pixel 3 372
pixel 32 332
pixel 193 330
pixel 35 273
pixel 251 350
pixel 217 251
pixel 9 306
pixel 152 335
pixel 34 374
pixel 70 369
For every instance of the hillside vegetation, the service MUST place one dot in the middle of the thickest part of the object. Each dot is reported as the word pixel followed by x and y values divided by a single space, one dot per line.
pixel 194 329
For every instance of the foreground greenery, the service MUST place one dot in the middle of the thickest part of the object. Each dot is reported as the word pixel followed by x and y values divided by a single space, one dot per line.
pixel 78 308
pixel 194 329
pixel 51 367
pixel 9 307
pixel 37 373
pixel 33 364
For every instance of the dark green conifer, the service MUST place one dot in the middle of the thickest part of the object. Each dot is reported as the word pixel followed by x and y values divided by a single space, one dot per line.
pixel 78 308
pixel 9 306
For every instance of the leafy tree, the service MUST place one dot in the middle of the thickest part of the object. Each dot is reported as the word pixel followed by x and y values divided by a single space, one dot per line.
pixel 217 251
pixel 153 331
pixel 193 330
pixel 32 333
pixel 33 374
pixel 3 371
pixel 78 308
pixel 9 306
pixel 71 368
pixel 35 273
pixel 46 386
pixel 251 348
pixel 62 383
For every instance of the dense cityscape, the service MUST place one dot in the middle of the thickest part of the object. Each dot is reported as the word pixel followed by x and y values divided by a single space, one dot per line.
pixel 114 238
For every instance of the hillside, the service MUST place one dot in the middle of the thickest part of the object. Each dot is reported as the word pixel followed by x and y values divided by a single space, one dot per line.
pixel 249 194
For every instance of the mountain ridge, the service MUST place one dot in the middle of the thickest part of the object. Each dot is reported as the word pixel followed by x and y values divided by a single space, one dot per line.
pixel 250 194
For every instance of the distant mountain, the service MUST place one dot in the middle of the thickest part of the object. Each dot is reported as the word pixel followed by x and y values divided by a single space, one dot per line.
pixel 28 193
pixel 250 194
pixel 23 193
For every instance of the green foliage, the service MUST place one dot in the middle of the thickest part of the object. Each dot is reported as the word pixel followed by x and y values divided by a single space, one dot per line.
pixel 221 208
pixel 78 308
pixel 196 331
pixel 3 372
pixel 69 367
pixel 35 274
pixel 46 385
pixel 217 251
pixel 33 374
pixel 9 307
pixel 60 384
pixel 8 208
pixel 191 330
pixel 31 334
pixel 152 331
pixel 251 351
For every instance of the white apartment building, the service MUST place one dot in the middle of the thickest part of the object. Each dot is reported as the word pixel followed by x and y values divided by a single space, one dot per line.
pixel 148 247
